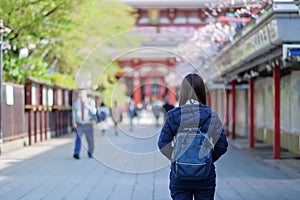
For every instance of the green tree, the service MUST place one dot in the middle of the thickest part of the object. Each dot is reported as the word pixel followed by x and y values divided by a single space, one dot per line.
pixel 95 22
pixel 36 26
pixel 100 27
pixel 60 34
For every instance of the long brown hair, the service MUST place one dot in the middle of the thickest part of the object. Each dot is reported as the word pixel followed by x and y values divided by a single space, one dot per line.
pixel 192 88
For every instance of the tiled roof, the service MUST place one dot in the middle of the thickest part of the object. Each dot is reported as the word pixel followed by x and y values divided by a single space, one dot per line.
pixel 183 4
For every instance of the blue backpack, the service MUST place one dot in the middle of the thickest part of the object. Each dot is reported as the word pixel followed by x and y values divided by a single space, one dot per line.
pixel 100 116
pixel 192 155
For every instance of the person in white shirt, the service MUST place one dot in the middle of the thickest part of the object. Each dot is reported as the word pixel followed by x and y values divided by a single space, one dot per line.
pixel 83 114
pixel 116 116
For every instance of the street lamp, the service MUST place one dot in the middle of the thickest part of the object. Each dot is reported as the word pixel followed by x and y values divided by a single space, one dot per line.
pixel 2 31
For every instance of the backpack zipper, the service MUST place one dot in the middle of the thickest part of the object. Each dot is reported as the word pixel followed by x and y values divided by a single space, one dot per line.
pixel 180 163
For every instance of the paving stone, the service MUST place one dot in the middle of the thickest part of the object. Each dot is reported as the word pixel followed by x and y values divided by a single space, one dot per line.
pixel 48 171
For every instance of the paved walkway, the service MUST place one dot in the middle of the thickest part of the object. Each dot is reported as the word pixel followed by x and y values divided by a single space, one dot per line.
pixel 48 171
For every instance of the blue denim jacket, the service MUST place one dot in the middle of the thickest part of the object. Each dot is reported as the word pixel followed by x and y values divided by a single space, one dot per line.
pixel 193 115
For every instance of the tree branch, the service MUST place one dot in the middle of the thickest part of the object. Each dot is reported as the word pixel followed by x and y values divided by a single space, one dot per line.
pixel 53 10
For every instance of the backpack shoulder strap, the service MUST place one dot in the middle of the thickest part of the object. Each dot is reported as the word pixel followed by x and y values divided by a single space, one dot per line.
pixel 209 116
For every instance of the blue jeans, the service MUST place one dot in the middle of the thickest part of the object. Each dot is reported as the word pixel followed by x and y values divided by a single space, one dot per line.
pixel 188 194
pixel 88 130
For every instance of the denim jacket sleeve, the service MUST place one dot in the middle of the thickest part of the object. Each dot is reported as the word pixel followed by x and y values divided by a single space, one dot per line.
pixel 220 147
pixel 219 137
pixel 165 139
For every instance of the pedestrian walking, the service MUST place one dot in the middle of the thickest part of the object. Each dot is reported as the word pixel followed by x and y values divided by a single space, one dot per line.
pixel 104 110
pixel 192 169
pixel 166 107
pixel 116 114
pixel 156 109
pixel 132 113
pixel 83 114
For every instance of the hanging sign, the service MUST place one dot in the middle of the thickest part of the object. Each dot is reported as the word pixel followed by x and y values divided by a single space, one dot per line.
pixel 9 93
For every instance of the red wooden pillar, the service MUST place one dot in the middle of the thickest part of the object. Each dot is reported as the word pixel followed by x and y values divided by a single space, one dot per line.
pixel 62 128
pixel 41 125
pixel 63 124
pixel 71 93
pixel 227 92
pixel 172 95
pixel 40 109
pixel 208 98
pixel 251 112
pixel 28 105
pixel 56 123
pixel 35 125
pixel 56 112
pixel 233 96
pixel 60 122
pixel 45 110
pixel 46 123
pixel 216 101
pixel 29 126
pixel 62 114
pixel 137 93
pixel 276 137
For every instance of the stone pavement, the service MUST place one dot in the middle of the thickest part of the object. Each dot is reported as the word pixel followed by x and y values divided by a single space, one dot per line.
pixel 47 170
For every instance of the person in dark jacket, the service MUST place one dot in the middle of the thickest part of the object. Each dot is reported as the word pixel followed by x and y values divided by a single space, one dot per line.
pixel 193 112
pixel 166 107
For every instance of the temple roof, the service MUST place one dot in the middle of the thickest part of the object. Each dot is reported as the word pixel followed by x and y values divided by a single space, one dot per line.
pixel 192 30
pixel 185 4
